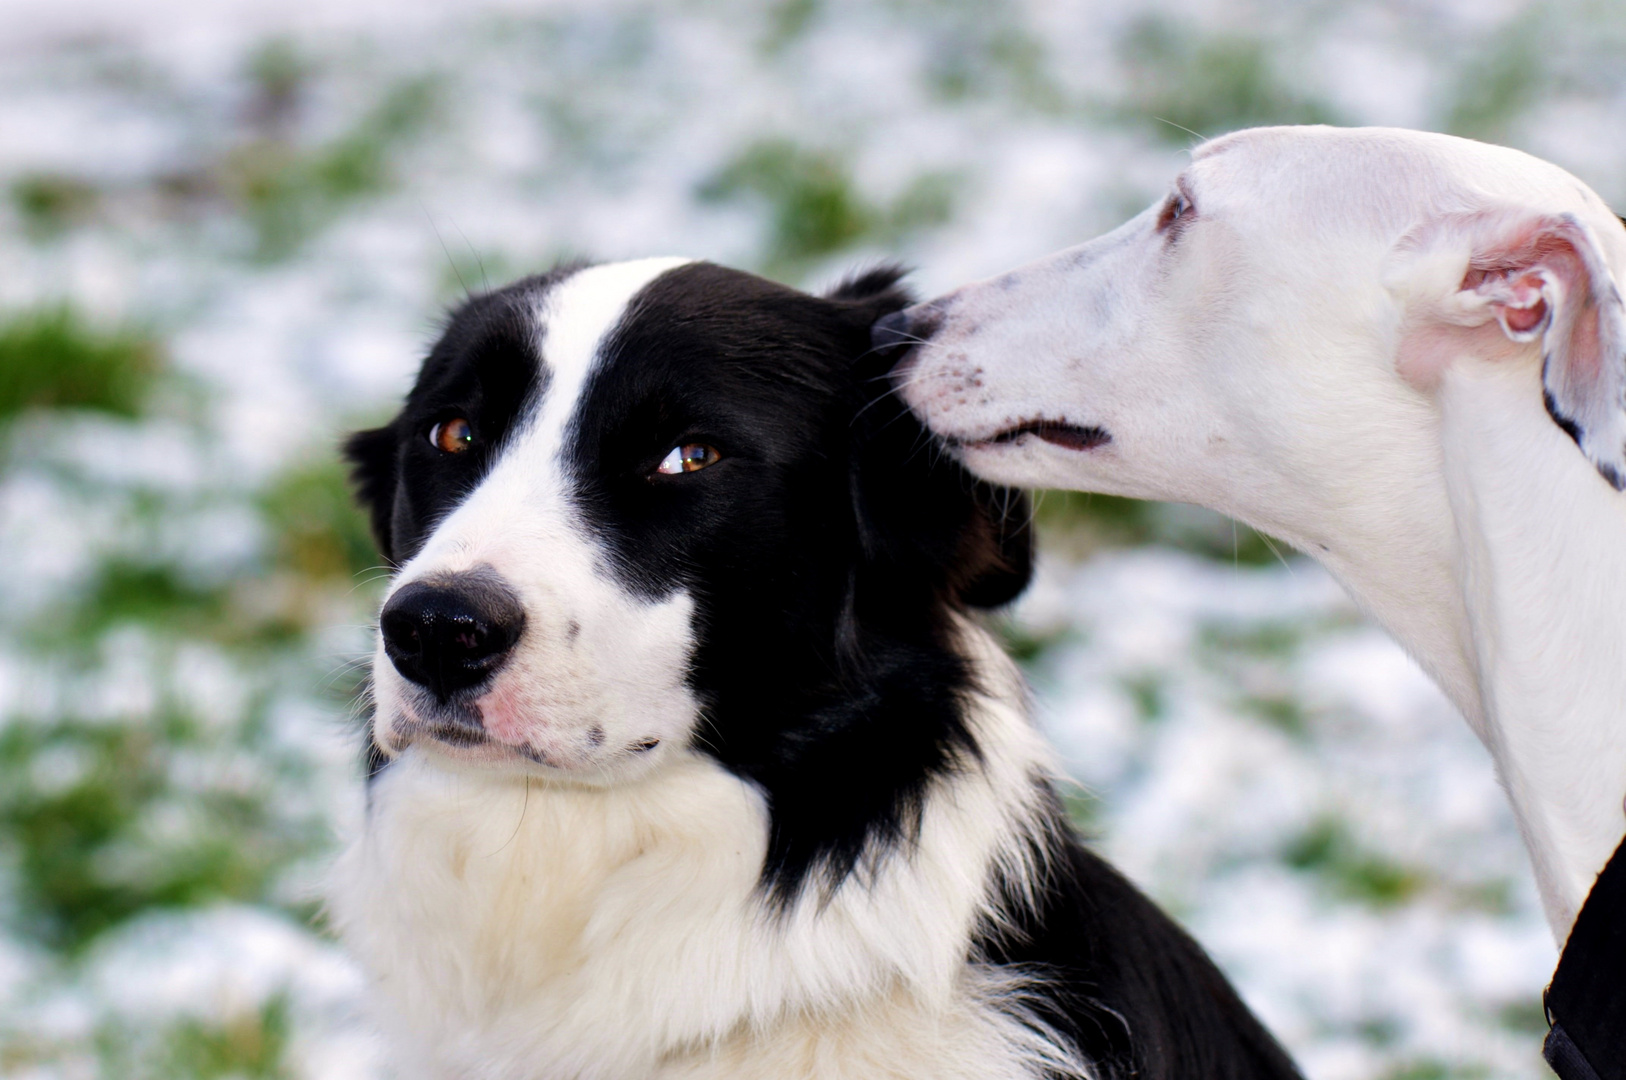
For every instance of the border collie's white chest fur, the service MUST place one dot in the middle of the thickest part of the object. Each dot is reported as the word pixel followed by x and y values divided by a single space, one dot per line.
pixel 622 932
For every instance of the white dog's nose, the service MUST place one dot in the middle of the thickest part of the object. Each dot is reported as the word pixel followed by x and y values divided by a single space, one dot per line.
pixel 911 326
pixel 890 330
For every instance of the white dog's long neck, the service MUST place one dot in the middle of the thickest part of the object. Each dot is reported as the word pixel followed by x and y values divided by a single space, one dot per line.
pixel 1542 569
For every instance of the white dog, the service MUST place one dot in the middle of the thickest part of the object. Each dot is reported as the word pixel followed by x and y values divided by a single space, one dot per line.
pixel 1403 353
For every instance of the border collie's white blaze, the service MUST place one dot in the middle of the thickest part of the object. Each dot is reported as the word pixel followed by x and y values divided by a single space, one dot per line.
pixel 1402 352
pixel 695 765
pixel 595 685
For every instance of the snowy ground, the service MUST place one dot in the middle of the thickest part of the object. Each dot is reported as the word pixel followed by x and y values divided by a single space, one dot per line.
pixel 226 232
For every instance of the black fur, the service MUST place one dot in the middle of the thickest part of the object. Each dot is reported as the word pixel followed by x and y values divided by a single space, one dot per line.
pixel 828 551
pixel 1121 981
pixel 483 367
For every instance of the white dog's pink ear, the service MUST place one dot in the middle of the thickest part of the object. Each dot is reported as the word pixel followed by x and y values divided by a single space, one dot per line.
pixel 1543 276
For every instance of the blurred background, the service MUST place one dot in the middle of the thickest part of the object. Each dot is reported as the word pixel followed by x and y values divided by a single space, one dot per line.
pixel 227 233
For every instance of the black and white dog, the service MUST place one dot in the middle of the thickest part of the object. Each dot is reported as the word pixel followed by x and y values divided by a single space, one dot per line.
pixel 688 759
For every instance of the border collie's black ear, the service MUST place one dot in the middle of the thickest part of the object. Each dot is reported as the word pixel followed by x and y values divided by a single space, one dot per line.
pixel 870 294
pixel 923 518
pixel 996 553
pixel 919 512
pixel 372 455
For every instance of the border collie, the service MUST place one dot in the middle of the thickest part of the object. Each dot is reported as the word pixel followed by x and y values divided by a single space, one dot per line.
pixel 688 757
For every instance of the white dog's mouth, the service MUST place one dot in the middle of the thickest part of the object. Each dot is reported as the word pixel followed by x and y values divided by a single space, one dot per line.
pixel 1080 437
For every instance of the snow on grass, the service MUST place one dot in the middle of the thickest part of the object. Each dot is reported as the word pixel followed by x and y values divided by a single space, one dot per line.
pixel 1285 780
pixel 227 233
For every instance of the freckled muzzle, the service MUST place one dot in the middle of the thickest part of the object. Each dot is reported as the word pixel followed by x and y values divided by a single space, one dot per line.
pixel 451 633
pixel 939 373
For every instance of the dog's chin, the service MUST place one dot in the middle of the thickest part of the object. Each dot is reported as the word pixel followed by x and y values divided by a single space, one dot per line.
pixel 453 736
pixel 493 759
pixel 485 755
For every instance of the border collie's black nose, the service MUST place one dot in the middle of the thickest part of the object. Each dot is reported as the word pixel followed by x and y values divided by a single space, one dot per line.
pixel 451 633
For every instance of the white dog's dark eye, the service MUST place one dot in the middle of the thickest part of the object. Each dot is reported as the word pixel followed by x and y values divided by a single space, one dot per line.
pixel 1177 207
pixel 690 457
pixel 452 436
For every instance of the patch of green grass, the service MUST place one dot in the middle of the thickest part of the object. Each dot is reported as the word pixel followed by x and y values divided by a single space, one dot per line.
pixel 125 592
pixel 1281 711
pixel 1083 809
pixel 1433 1069
pixel 1273 640
pixel 1381 1031
pixel 54 358
pixel 278 75
pixel 160 596
pixel 289 192
pixel 320 542
pixel 1024 646
pixel 976 51
pixel 319 531
pixel 1081 521
pixel 814 206
pixel 1330 852
pixel 1525 1017
pixel 49 204
pixel 1116 521
pixel 357 163
pixel 465 271
pixel 1182 82
pixel 1149 695
pixel 1238 650
pixel 787 21
pixel 1497 86
pixel 926 203
pixel 253 1046
pixel 86 816
pixel 1491 897
pixel 982 59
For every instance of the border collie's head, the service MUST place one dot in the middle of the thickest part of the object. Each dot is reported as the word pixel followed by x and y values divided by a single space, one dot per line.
pixel 649 508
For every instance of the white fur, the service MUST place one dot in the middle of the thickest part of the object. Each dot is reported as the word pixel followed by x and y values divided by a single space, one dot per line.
pixel 1306 358
pixel 519 926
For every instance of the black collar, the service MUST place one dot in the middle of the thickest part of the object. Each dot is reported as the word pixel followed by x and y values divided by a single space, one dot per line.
pixel 1586 1002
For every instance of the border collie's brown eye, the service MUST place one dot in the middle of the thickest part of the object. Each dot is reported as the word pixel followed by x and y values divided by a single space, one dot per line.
pixel 690 457
pixel 452 436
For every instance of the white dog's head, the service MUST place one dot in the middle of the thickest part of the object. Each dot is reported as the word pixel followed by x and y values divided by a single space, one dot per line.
pixel 1403 353
pixel 1269 336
